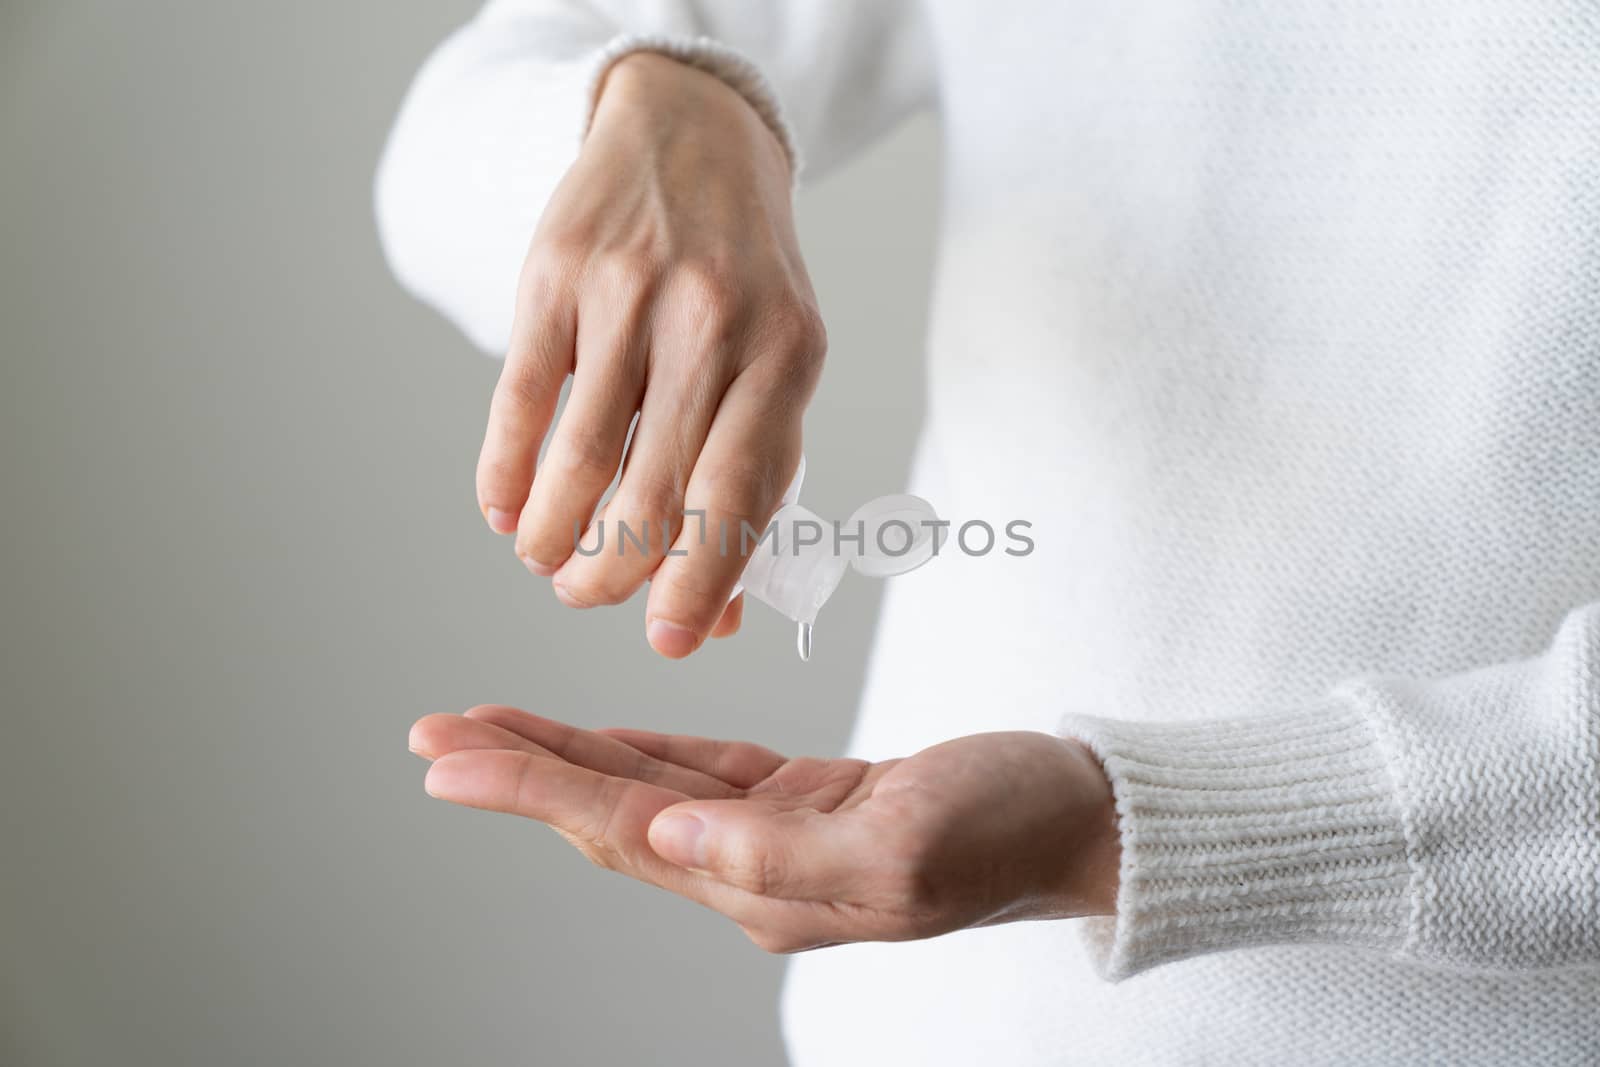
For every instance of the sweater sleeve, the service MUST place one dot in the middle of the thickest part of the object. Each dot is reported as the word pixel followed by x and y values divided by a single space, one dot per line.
pixel 1453 821
pixel 496 115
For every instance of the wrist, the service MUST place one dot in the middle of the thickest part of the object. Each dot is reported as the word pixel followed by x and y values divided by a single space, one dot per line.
pixel 645 79
pixel 1088 881
pixel 1103 859
pixel 653 93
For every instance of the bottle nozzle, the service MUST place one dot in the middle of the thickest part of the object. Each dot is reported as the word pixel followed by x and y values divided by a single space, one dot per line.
pixel 801 558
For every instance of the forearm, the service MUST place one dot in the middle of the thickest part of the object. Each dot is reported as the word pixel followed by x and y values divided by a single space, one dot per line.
pixel 1452 821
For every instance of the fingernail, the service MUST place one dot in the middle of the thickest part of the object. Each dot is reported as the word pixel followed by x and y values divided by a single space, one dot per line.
pixel 447 779
pixel 543 570
pixel 680 839
pixel 564 594
pixel 502 522
pixel 669 639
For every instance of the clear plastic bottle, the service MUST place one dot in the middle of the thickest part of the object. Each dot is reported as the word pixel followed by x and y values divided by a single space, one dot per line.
pixel 796 567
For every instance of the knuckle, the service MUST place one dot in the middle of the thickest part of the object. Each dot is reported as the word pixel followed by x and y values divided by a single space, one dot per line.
pixel 798 349
pixel 584 455
pixel 622 272
pixel 707 298
pixel 740 491
pixel 708 285
pixel 651 497
pixel 590 587
pixel 496 475
pixel 793 377
pixel 520 390
pixel 755 870
pixel 552 264
pixel 691 595
pixel 797 325
pixel 545 542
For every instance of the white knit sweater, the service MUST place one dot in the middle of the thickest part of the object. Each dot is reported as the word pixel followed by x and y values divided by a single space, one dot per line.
pixel 1281 322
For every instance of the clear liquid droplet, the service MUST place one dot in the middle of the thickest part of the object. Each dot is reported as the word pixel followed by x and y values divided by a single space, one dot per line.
pixel 803 641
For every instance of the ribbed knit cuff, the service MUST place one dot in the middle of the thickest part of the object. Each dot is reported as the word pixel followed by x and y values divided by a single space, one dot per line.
pixel 715 58
pixel 1249 832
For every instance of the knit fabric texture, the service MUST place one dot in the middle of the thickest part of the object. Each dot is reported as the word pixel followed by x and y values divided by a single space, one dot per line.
pixel 1281 325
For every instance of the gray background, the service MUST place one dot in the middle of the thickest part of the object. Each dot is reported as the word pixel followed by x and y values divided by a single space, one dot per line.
pixel 242 555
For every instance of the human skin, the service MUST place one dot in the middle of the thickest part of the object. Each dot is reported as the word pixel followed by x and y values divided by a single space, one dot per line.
pixel 665 277
pixel 804 853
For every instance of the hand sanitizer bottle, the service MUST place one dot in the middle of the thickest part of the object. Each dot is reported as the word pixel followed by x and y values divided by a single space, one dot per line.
pixel 802 558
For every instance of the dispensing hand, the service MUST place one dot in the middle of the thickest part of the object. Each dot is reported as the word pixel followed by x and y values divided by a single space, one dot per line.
pixel 666 278
pixel 803 853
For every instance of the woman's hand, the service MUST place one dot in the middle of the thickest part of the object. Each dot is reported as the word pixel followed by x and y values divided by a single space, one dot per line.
pixel 803 853
pixel 666 278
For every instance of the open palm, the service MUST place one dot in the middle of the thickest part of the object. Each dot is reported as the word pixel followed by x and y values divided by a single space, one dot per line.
pixel 803 852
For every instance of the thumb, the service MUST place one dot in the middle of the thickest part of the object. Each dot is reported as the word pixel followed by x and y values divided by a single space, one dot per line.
pixel 793 855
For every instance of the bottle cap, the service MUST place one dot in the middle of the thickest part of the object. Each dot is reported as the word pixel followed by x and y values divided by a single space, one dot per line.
pixel 898 534
pixel 801 557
